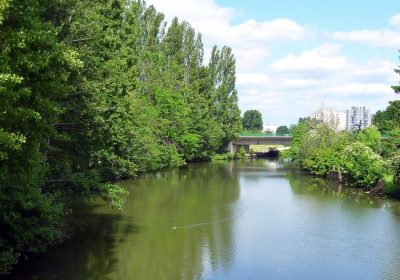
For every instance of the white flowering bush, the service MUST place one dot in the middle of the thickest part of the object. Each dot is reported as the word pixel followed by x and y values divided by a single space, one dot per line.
pixel 362 164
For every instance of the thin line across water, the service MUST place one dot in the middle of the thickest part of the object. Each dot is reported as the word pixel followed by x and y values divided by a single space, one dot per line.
pixel 202 224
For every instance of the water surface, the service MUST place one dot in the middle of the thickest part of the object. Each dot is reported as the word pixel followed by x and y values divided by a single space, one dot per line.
pixel 232 220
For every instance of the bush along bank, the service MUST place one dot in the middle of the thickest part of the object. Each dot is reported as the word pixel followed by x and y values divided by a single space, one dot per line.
pixel 240 154
pixel 358 158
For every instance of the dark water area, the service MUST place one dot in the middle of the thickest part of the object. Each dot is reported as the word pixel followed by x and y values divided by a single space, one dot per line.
pixel 254 219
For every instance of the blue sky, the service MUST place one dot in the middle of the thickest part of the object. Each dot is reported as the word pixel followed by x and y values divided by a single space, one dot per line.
pixel 295 56
pixel 338 14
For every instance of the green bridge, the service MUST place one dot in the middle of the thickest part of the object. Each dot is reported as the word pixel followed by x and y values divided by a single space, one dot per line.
pixel 260 138
pixel 261 134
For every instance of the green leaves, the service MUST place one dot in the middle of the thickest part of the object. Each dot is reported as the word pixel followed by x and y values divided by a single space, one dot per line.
pixel 4 4
pixel 363 165
pixel 92 92
pixel 10 142
pixel 252 120
pixel 282 130
pixel 223 93
pixel 388 119
pixel 114 195
pixel 320 150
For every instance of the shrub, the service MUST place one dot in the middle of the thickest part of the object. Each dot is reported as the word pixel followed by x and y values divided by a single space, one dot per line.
pixel 241 154
pixel 362 164
pixel 226 156
pixel 321 160
pixel 371 137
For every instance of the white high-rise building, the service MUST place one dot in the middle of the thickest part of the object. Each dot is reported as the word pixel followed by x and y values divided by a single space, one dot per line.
pixel 358 118
pixel 337 120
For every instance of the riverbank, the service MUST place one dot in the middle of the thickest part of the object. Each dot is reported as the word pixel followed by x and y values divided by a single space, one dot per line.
pixel 359 156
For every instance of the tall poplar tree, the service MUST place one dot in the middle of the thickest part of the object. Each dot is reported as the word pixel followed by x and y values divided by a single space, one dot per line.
pixel 222 71
pixel 95 91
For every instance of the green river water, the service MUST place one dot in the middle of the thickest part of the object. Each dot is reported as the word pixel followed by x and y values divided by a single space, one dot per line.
pixel 231 220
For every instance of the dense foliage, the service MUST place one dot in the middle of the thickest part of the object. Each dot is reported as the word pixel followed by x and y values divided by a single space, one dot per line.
pixel 93 91
pixel 388 123
pixel 366 156
pixel 319 149
pixel 252 120
pixel 282 130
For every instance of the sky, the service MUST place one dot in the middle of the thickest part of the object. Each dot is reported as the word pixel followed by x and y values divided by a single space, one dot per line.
pixel 293 57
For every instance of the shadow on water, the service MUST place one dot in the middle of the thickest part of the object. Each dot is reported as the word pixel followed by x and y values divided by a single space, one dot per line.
pixel 201 195
pixel 322 188
pixel 352 199
pixel 140 242
pixel 88 255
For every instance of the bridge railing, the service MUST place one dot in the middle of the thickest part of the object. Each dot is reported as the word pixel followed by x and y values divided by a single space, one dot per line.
pixel 269 134
pixel 262 134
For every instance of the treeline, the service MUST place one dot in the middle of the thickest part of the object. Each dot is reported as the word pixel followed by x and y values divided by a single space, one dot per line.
pixel 363 157
pixel 93 91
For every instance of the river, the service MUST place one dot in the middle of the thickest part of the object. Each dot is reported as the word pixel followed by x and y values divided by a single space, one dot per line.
pixel 231 220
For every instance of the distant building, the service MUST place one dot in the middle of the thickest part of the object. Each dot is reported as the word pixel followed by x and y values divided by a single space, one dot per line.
pixel 352 119
pixel 358 118
pixel 270 128
pixel 337 120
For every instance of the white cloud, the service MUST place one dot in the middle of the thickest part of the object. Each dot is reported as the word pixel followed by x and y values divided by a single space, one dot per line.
pixel 192 10
pixel 395 20
pixel 389 38
pixel 376 38
pixel 321 58
pixel 250 40
pixel 297 83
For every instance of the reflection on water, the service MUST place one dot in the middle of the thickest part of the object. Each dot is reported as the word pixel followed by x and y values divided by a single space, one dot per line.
pixel 234 220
